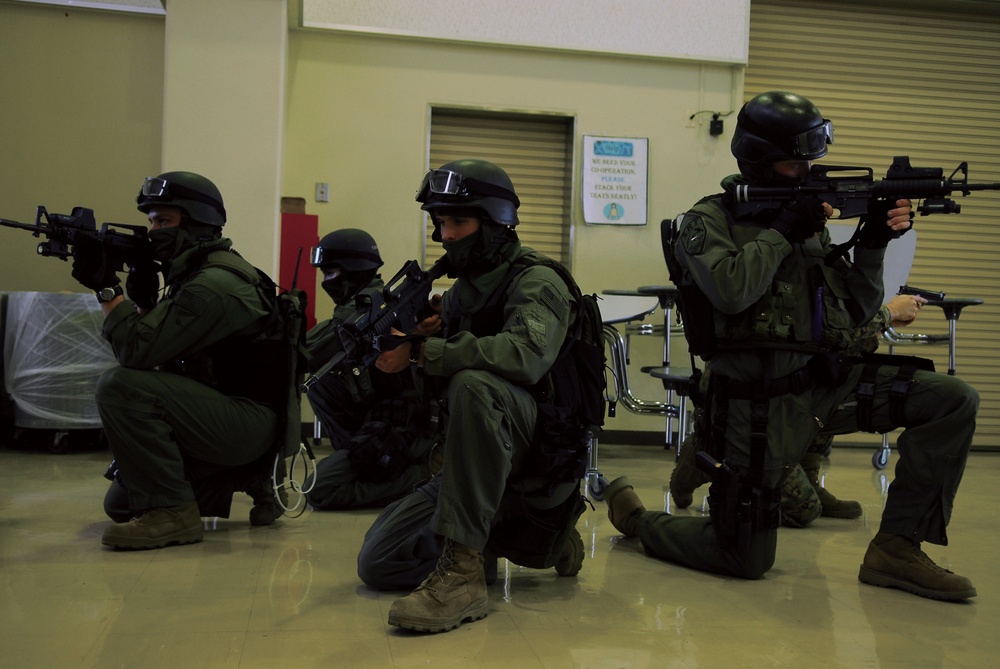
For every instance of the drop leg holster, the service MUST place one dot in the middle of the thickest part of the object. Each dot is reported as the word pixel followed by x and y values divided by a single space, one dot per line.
pixel 740 506
pixel 865 392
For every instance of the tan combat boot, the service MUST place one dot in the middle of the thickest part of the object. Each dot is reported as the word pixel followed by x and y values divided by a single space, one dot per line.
pixel 453 593
pixel 157 528
pixel 624 506
pixel 686 476
pixel 832 507
pixel 893 561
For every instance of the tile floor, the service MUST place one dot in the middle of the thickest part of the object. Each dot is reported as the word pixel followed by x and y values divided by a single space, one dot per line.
pixel 288 595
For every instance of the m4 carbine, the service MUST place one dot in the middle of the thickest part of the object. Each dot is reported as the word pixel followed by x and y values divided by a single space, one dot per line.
pixel 850 196
pixel 125 245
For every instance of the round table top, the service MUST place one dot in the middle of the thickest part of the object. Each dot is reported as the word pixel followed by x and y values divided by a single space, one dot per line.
pixel 624 307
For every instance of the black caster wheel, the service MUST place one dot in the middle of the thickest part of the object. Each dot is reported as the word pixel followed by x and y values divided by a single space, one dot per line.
pixel 596 488
pixel 880 458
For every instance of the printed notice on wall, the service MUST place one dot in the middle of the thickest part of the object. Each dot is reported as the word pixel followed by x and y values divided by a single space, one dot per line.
pixel 614 180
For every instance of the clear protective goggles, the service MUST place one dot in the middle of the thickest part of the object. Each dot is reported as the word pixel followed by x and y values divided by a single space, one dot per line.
pixel 319 256
pixel 814 140
pixel 155 187
pixel 446 182
pixel 161 189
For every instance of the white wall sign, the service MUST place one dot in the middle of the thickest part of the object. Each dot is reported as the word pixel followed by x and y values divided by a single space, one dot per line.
pixel 615 173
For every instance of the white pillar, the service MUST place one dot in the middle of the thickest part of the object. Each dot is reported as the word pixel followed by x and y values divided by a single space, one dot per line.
pixel 223 110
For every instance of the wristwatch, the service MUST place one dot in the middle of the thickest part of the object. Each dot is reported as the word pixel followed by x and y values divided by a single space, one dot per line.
pixel 110 293
pixel 415 354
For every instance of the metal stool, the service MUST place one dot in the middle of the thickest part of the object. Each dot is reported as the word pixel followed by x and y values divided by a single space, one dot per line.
pixel 677 382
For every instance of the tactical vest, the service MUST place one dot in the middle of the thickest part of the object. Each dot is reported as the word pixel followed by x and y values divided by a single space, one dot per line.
pixel 570 396
pixel 251 363
pixel 807 307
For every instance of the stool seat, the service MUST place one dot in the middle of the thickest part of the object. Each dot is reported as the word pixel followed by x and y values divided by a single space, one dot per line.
pixel 952 306
pixel 665 294
pixel 676 381
pixel 669 373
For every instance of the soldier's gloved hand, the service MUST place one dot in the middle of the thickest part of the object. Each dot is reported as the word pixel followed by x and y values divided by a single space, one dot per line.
pixel 876 227
pixel 91 266
pixel 800 219
pixel 142 285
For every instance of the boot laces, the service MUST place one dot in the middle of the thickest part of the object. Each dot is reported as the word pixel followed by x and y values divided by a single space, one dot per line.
pixel 927 562
pixel 442 568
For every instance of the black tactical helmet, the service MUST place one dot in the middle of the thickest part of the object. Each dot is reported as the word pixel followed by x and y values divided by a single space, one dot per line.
pixel 196 195
pixel 470 183
pixel 776 126
pixel 350 249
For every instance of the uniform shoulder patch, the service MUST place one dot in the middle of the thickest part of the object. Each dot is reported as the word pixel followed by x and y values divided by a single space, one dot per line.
pixel 692 235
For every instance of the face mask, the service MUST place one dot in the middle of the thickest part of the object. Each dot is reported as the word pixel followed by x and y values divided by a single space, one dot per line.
pixel 460 253
pixel 343 287
pixel 165 242
pixel 338 289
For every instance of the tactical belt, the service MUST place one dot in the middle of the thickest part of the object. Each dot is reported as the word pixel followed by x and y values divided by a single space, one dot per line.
pixel 795 382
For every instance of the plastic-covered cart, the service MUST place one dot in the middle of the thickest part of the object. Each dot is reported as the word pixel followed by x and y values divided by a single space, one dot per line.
pixel 53 354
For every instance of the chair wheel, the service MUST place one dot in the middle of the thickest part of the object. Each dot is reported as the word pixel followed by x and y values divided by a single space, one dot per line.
pixel 596 488
pixel 880 458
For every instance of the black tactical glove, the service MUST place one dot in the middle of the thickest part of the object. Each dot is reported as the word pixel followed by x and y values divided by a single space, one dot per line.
pixel 875 234
pixel 91 266
pixel 801 219
pixel 142 285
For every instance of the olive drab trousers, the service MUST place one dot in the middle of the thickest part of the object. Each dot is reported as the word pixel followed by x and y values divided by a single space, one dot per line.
pixel 939 421
pixel 154 419
pixel 489 423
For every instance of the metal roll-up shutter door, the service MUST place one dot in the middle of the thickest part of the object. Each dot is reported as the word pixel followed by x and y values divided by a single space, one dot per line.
pixel 535 150
pixel 927 86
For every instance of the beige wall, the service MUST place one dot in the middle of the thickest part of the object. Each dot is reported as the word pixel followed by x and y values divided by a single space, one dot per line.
pixel 222 111
pixel 81 114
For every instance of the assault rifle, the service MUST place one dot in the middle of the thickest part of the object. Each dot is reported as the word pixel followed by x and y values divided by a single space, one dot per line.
pixel 401 304
pixel 63 232
pixel 850 196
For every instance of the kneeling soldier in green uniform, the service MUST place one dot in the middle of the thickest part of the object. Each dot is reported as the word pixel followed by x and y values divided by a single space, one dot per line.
pixel 376 422
pixel 506 319
pixel 773 316
pixel 195 408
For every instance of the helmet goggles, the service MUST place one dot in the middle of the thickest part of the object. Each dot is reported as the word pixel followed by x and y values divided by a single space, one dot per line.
pixel 814 140
pixel 156 188
pixel 319 256
pixel 448 183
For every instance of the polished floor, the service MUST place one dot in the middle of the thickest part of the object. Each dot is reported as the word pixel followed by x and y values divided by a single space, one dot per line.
pixel 289 596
